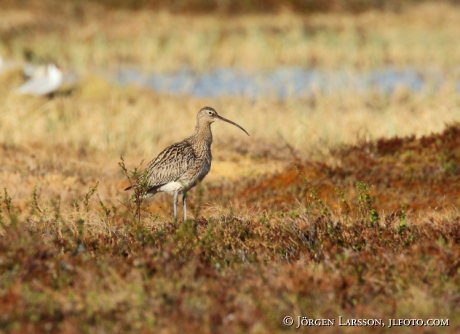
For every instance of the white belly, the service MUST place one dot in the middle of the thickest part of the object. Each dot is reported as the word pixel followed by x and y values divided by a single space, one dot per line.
pixel 172 187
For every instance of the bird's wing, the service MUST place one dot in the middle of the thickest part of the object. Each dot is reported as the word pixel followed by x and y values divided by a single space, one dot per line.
pixel 170 164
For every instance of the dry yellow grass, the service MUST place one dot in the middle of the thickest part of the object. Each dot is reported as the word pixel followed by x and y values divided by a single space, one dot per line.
pixel 87 132
pixel 85 37
pixel 128 121
pixel 140 122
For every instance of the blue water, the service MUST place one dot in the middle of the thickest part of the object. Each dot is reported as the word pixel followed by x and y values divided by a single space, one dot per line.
pixel 282 82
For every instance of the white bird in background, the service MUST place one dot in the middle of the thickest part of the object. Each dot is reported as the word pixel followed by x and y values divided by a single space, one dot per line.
pixel 45 84
pixel 34 71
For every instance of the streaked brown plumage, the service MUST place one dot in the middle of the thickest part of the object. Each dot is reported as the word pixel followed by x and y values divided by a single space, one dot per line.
pixel 179 167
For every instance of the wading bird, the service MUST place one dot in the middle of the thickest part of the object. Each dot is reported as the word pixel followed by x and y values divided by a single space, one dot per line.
pixel 44 84
pixel 179 167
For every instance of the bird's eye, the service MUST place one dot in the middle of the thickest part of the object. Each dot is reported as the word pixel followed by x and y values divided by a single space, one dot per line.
pixel 209 112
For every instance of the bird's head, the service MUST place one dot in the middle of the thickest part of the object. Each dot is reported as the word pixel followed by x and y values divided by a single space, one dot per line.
pixel 209 115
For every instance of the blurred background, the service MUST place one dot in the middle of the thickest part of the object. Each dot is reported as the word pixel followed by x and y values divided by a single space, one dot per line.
pixel 303 73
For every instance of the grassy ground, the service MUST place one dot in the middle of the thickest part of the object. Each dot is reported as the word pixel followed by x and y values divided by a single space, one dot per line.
pixel 337 205
pixel 321 244
pixel 86 37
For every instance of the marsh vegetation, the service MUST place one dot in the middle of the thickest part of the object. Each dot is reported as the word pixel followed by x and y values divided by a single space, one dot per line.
pixel 339 204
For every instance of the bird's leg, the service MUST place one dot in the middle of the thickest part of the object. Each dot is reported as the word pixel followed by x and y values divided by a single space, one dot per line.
pixel 175 206
pixel 184 202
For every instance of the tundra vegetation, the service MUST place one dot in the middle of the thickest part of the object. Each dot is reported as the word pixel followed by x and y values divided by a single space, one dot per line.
pixel 339 204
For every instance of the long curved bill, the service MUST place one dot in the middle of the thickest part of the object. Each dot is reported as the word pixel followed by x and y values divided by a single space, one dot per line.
pixel 229 121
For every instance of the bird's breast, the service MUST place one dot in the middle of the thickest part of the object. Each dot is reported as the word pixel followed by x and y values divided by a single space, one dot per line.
pixel 195 173
pixel 205 168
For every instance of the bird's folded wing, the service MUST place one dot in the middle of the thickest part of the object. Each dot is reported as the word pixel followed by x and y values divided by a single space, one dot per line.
pixel 170 164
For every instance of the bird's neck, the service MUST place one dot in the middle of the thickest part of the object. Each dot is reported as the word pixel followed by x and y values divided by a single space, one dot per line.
pixel 203 134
